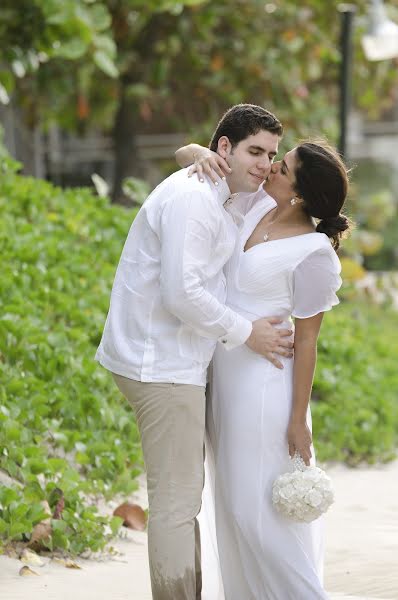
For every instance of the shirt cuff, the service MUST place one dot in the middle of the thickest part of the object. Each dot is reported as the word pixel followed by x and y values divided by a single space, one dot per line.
pixel 238 335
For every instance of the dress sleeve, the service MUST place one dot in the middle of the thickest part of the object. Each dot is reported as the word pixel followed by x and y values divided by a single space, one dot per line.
pixel 315 282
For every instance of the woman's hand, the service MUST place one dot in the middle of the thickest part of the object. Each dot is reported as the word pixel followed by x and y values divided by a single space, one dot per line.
pixel 209 163
pixel 300 439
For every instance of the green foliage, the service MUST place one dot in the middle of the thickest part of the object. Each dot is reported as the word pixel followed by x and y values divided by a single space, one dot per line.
pixel 62 422
pixel 281 55
pixel 355 397
pixel 32 32
pixel 126 66
pixel 136 189
pixel 7 163
pixel 374 209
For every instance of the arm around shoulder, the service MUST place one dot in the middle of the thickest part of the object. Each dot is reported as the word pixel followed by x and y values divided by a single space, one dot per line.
pixel 186 155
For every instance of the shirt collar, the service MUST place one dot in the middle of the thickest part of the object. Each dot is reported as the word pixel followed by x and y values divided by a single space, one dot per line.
pixel 222 190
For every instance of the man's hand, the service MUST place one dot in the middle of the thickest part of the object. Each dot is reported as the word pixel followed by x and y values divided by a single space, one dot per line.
pixel 300 440
pixel 267 340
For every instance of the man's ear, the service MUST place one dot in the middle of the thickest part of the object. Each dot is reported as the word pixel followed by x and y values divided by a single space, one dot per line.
pixel 224 146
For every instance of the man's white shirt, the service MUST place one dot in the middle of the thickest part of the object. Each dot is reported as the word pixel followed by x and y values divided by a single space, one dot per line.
pixel 167 308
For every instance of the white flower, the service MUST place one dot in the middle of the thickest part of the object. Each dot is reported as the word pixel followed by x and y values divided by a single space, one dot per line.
pixel 287 491
pixel 314 498
pixel 304 494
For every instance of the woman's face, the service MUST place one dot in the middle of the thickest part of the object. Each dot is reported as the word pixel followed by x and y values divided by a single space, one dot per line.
pixel 280 182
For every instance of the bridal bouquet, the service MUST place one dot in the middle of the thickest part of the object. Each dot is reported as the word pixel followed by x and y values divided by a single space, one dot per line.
pixel 304 494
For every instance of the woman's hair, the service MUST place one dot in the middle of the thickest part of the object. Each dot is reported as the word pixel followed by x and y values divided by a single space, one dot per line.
pixel 322 182
pixel 243 120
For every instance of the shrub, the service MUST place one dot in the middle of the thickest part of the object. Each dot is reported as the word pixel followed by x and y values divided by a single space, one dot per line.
pixel 355 396
pixel 62 421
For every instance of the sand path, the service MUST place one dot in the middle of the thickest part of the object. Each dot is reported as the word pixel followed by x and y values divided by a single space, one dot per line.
pixel 361 553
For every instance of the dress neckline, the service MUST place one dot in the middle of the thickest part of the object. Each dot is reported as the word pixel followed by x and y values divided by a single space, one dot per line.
pixel 290 237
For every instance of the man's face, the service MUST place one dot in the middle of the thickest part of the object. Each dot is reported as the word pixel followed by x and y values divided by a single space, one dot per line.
pixel 250 160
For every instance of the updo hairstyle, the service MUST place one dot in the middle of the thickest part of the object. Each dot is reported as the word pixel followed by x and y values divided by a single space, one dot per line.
pixel 322 182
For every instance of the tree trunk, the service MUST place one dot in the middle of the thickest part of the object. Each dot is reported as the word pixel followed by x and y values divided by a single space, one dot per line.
pixel 127 162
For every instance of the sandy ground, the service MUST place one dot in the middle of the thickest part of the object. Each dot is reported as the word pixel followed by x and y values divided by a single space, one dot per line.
pixel 361 552
pixel 362 532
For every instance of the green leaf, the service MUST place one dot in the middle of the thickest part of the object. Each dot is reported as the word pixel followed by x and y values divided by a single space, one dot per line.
pixel 60 540
pixel 19 68
pixel 3 526
pixel 72 50
pixel 33 492
pixel 106 44
pixel 136 189
pixel 105 63
pixel 100 16
pixel 7 495
pixel 115 524
pixel 59 525
pixel 16 529
pixel 138 90
pixel 4 97
pixel 61 16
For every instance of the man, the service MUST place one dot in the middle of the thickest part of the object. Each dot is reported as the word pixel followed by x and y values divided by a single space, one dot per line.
pixel 166 315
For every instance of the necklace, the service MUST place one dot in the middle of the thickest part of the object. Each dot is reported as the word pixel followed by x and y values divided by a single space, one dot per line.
pixel 274 220
pixel 266 236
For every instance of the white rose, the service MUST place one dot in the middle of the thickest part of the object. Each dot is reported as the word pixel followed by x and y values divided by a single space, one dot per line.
pixel 314 498
pixel 287 492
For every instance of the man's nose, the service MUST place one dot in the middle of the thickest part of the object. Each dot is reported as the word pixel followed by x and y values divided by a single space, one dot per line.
pixel 264 164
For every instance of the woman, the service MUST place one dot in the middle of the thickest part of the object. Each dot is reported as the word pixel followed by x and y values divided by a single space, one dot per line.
pixel 286 265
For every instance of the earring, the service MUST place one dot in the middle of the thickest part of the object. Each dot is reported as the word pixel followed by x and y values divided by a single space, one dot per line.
pixel 294 201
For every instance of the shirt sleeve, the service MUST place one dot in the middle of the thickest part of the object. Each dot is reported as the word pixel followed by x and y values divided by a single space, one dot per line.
pixel 315 282
pixel 189 232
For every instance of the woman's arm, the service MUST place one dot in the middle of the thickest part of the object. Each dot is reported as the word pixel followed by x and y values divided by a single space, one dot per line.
pixel 186 155
pixel 305 341
pixel 203 161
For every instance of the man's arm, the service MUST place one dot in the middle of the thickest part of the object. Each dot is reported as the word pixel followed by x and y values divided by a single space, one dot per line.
pixel 188 243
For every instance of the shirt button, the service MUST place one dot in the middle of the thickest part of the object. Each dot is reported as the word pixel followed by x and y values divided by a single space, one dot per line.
pixel 224 341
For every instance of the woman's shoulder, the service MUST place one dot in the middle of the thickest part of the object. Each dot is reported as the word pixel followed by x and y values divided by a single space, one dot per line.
pixel 314 241
pixel 316 246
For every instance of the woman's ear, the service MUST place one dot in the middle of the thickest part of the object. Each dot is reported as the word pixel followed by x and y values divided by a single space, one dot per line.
pixel 224 146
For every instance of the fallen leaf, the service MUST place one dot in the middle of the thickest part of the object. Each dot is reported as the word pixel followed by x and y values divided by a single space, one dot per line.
pixel 133 516
pixel 58 560
pixel 57 503
pixel 59 508
pixel 70 564
pixel 66 562
pixel 27 572
pixel 31 558
pixel 42 531
pixel 11 552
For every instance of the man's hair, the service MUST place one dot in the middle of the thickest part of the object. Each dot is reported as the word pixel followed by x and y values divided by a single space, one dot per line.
pixel 243 120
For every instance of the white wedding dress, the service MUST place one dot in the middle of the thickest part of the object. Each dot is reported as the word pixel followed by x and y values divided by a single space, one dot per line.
pixel 261 555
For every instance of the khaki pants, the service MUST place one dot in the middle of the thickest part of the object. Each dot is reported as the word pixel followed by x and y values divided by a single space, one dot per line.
pixel 171 420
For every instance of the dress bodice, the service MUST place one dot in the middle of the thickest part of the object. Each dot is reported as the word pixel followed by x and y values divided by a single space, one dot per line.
pixel 296 276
